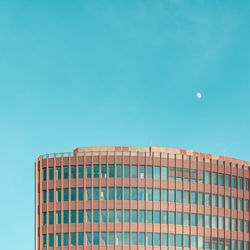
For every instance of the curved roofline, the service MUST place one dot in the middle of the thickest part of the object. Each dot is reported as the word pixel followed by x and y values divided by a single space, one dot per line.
pixel 163 150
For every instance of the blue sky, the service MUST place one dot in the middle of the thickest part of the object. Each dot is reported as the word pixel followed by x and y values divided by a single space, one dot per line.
pixel 126 73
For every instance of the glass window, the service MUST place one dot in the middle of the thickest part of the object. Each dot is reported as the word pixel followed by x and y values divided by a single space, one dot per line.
pixel 58 240
pixel 142 216
pixel 193 198
pixel 245 184
pixel 73 216
pixel 134 172
pixel 111 238
pixel 164 240
pixel 164 217
pixel 103 194
pixel 126 239
pixel 44 196
pixel 221 224
pixel 51 174
pixel 88 239
pixel 134 216
pixel 200 176
pixel 227 202
pixel 66 173
pixel 141 194
pixel 186 174
pixel 149 172
pixel 58 173
pixel 149 239
pixel 240 186
pixel 214 200
pixel 179 240
pixel 89 171
pixel 65 239
pixel 171 240
pixel 186 197
pixel 96 216
pixel 142 239
pixel 193 241
pixel 157 239
pixel 171 176
pixel 149 194
pixel 44 218
pixel 246 205
pixel 51 195
pixel 221 179
pixel 44 240
pixel 246 226
pixel 186 219
pixel 171 218
pixel 118 238
pixel 88 194
pixel 178 218
pixel 233 181
pixel 171 195
pixel 142 172
pixel 233 224
pixel 111 194
pixel 126 216
pixel 207 221
pixel 207 177
pixel 157 217
pixel 126 194
pixel 179 174
pixel 227 180
pixel 111 171
pixel 103 239
pixel 73 194
pixel 104 216
pixel 157 173
pixel 96 239
pixel 111 216
pixel 164 173
pixel 119 171
pixel 80 216
pixel 214 178
pixel 186 241
pixel 193 175
pixel 80 172
pixel 65 217
pixel 200 198
pixel 88 216
pixel 73 172
pixel 134 239
pixel 126 171
pixel 178 196
pixel 221 201
pixel 239 204
pixel 193 220
pixel 200 242
pixel 164 195
pixel 157 194
pixel 96 171
pixel 80 194
pixel 239 225
pixel 149 216
pixel 73 239
pixel 58 217
pixel 44 174
pixel 200 220
pixel 104 171
pixel 119 194
pixel 119 216
pixel 227 223
pixel 134 194
pixel 233 203
pixel 214 221
pixel 66 194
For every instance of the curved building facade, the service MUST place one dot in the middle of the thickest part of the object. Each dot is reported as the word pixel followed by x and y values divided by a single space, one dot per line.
pixel 141 198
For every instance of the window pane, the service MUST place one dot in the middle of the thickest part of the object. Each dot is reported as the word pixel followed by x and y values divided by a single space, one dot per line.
pixel 134 194
pixel 149 172
pixel 142 172
pixel 126 171
pixel 134 172
pixel 126 239
pixel 142 216
pixel 118 238
pixel 157 239
pixel 73 239
pixel 103 239
pixel 126 194
pixel 171 218
pixel 119 216
pixel 164 173
pixel 126 216
pixel 164 217
pixel 157 173
pixel 142 239
pixel 88 216
pixel 96 171
pixel 157 217
pixel 104 216
pixel 200 198
pixel 111 239
pixel 149 239
pixel 149 216
pixel 178 196
pixel 96 239
pixel 73 194
pixel 171 195
pixel 119 171
pixel 73 172
pixel 142 194
pixel 66 173
pixel 96 216
pixel 178 218
pixel 119 194
pixel 149 194
pixel 134 239
pixel 103 194
pixel 80 172
pixel 111 216
pixel 186 197
pixel 221 179
pixel 80 194
pixel 193 198
pixel 89 171
pixel 111 171
pixel 171 176
pixel 157 196
pixel 65 239
pixel 58 173
pixel 65 217
pixel 111 194
pixel 164 195
pixel 66 194
pixel 73 216
pixel 186 219
pixel 104 171
pixel 207 177
pixel 51 174
pixel 88 239
pixel 88 194
pixel 80 216
pixel 134 216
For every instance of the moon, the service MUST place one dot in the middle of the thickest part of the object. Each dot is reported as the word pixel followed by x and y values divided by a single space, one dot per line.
pixel 199 95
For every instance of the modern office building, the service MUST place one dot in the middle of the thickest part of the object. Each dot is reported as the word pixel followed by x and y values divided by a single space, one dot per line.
pixel 141 198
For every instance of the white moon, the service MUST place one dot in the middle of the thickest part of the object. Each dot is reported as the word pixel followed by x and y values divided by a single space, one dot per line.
pixel 199 95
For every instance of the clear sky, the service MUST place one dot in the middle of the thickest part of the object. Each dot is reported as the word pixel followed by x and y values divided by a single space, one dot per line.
pixel 116 73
